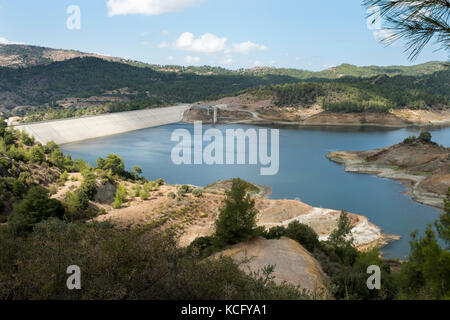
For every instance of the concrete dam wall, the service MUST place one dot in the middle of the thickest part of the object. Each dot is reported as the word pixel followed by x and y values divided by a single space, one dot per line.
pixel 71 130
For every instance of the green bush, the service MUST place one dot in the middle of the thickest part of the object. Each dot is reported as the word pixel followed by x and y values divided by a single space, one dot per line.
pixel 35 207
pixel 410 140
pixel 197 192
pixel 275 232
pixel 303 234
pixel 171 195
pixel 144 194
pixel 425 137
pixel 121 196
pixel 160 182
pixel 76 204
pixel 183 190
pixel 89 184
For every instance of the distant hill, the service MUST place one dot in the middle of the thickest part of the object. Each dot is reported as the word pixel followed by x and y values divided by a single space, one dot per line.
pixel 22 56
pixel 19 55
pixel 40 78
pixel 89 76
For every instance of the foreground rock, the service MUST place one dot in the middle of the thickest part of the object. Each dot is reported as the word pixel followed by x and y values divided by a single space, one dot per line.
pixel 293 263
pixel 423 167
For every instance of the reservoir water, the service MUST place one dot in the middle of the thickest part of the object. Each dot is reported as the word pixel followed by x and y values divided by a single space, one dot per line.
pixel 304 172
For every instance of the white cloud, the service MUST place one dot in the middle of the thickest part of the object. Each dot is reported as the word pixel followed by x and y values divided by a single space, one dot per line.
pixel 6 41
pixel 382 34
pixel 257 63
pixel 190 59
pixel 170 58
pixel 226 60
pixel 148 7
pixel 248 47
pixel 165 32
pixel 207 43
pixel 163 45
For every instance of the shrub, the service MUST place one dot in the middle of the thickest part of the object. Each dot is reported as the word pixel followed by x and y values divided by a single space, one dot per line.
pixel 275 233
pixel 183 190
pixel 37 154
pixel 425 137
pixel 89 184
pixel 160 182
pixel 197 192
pixel 410 140
pixel 303 234
pixel 144 194
pixel 35 207
pixel 121 196
pixel 203 246
pixel 76 204
pixel 171 195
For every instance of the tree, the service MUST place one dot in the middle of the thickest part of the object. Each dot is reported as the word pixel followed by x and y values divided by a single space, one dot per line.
pixel 416 21
pixel 341 237
pixel 3 126
pixel 425 137
pixel 443 224
pixel 112 162
pixel 37 154
pixel 426 274
pixel 89 185
pixel 237 219
pixel 136 172
pixel 35 207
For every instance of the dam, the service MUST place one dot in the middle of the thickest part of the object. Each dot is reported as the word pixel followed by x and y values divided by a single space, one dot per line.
pixel 78 129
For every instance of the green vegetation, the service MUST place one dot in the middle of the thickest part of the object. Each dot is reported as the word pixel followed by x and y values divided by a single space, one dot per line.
pixel 379 94
pixel 237 218
pixel 121 196
pixel 141 263
pixel 343 88
pixel 426 274
pixel 35 207
pixel 424 137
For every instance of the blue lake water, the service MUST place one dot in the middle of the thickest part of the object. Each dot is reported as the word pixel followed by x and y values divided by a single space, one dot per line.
pixel 304 171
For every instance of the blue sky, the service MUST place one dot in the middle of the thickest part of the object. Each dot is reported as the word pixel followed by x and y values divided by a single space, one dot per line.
pixel 311 35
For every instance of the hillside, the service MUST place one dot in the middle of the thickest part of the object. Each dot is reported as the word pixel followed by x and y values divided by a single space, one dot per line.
pixel 88 77
pixel 22 56
pixel 47 84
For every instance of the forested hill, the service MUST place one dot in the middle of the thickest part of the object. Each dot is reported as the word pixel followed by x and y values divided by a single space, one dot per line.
pixel 45 85
pixel 85 77
pixel 377 94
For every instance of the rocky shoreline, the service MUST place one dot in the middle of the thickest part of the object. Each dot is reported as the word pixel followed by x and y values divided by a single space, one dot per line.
pixel 415 180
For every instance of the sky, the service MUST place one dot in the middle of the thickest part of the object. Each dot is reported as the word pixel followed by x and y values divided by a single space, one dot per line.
pixel 312 35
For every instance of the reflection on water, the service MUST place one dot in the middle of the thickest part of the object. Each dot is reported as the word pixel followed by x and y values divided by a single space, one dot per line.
pixel 304 172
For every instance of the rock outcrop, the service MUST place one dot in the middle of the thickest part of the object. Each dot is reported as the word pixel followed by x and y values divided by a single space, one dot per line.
pixel 293 263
